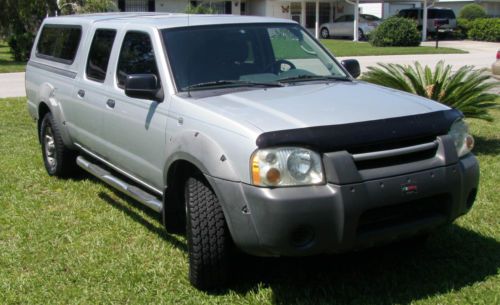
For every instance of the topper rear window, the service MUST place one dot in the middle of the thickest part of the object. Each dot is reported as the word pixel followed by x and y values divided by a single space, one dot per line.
pixel 59 43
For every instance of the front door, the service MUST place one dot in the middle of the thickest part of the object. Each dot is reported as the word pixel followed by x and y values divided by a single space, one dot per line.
pixel 134 129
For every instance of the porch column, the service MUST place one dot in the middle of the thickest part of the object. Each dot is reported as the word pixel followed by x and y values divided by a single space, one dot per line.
pixel 424 22
pixel 330 19
pixel 356 21
pixel 303 13
pixel 316 23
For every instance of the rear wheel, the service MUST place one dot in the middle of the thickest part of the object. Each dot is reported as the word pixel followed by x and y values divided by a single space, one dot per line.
pixel 59 161
pixel 209 241
pixel 361 35
pixel 325 33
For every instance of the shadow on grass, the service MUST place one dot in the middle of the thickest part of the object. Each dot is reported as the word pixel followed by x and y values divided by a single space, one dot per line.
pixel 486 146
pixel 399 273
pixel 148 222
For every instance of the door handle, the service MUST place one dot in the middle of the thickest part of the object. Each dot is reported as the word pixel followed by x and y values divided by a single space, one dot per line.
pixel 81 93
pixel 111 103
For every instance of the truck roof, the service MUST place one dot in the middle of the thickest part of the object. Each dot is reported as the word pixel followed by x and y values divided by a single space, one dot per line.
pixel 162 20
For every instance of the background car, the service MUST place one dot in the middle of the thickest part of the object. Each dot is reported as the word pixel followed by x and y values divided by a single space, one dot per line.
pixel 495 68
pixel 445 16
pixel 344 26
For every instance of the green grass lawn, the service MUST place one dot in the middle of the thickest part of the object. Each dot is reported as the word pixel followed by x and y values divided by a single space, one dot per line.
pixel 7 64
pixel 77 241
pixel 350 48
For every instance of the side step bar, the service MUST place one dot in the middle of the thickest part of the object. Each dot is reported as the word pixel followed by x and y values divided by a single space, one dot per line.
pixel 138 194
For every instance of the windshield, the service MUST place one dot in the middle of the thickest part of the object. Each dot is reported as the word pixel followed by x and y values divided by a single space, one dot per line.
pixel 202 57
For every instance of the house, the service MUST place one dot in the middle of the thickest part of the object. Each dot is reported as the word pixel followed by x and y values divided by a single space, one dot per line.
pixel 309 14
pixel 492 7
pixel 303 12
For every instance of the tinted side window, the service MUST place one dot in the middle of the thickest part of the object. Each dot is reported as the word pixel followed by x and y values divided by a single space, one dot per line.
pixel 340 19
pixel 370 18
pixel 441 14
pixel 59 43
pixel 99 53
pixel 136 57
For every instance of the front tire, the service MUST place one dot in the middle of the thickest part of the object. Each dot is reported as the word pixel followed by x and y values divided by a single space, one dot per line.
pixel 209 241
pixel 59 161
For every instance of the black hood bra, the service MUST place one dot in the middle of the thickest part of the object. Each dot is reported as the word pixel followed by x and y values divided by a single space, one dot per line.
pixel 353 136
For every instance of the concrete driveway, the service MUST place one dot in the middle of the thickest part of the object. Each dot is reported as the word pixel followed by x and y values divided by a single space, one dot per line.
pixel 12 84
pixel 481 55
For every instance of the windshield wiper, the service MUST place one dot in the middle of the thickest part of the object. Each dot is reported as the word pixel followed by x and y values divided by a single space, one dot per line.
pixel 242 83
pixel 307 77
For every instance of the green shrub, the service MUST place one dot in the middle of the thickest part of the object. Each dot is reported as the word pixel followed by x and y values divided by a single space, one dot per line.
pixel 472 11
pixel 396 31
pixel 69 7
pixel 20 45
pixel 485 29
pixel 463 26
pixel 199 9
pixel 466 89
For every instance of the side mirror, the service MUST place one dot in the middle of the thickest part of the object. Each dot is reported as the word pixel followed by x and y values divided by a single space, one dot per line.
pixel 352 66
pixel 144 86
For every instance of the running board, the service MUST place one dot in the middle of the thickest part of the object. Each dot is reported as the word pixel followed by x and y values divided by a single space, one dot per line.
pixel 138 194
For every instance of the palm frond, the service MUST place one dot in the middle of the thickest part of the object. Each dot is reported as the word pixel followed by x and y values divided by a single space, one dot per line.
pixel 466 89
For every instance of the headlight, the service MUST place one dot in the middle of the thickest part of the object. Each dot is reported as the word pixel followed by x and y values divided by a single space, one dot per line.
pixel 286 166
pixel 464 142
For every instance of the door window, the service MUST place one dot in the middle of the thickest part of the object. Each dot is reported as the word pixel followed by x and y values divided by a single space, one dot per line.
pixel 136 57
pixel 100 50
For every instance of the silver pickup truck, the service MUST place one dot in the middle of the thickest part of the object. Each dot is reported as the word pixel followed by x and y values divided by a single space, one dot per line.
pixel 245 133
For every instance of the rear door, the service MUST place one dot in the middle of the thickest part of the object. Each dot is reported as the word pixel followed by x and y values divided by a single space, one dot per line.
pixel 92 89
pixel 337 26
pixel 346 26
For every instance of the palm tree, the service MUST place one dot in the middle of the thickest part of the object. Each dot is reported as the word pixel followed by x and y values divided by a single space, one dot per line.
pixel 466 89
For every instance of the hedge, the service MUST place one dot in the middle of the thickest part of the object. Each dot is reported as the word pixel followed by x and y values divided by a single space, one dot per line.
pixel 485 29
pixel 472 11
pixel 396 31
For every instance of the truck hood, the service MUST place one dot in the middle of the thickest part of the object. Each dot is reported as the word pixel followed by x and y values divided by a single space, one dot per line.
pixel 298 106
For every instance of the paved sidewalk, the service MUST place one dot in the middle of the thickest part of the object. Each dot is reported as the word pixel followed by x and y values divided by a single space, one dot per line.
pixel 12 84
pixel 481 55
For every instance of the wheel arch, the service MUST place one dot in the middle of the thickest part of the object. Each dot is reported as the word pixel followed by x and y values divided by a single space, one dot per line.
pixel 43 109
pixel 50 104
pixel 173 200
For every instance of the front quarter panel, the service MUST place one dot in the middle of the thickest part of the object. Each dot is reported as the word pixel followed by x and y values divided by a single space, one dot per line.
pixel 217 145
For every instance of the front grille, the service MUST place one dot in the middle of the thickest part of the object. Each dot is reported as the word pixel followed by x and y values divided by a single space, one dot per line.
pixel 394 215
pixel 363 148
pixel 396 160
pixel 395 154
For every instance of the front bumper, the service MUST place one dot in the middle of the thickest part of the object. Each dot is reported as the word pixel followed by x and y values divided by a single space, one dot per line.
pixel 297 221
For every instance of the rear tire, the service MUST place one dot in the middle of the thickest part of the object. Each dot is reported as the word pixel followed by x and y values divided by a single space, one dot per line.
pixel 59 161
pixel 325 33
pixel 209 241
pixel 361 35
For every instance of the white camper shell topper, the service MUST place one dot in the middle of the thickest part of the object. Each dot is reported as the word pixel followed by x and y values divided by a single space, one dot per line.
pixel 245 133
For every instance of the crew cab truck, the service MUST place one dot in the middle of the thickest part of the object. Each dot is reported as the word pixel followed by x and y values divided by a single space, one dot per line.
pixel 246 133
